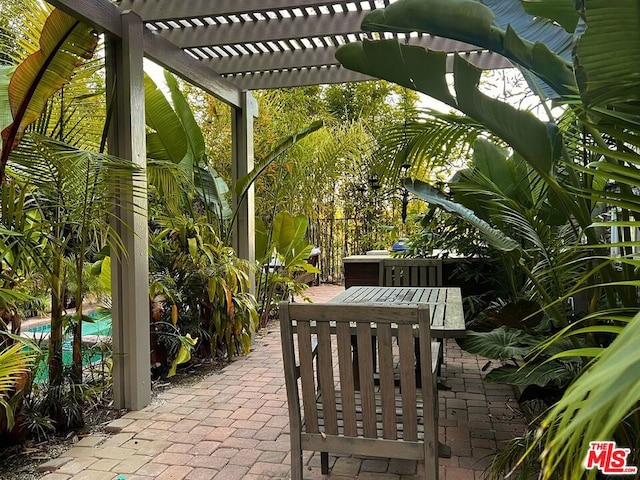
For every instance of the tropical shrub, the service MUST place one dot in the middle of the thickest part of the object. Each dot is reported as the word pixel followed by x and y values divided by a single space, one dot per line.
pixel 283 252
pixel 15 365
pixel 201 287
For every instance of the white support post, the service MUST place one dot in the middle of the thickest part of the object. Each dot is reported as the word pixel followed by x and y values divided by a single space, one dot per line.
pixel 130 270
pixel 242 133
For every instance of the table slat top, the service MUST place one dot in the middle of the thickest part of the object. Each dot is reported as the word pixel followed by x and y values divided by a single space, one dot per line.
pixel 445 303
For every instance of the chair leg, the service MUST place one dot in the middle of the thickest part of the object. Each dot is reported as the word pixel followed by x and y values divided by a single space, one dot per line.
pixel 296 458
pixel 324 463
pixel 296 467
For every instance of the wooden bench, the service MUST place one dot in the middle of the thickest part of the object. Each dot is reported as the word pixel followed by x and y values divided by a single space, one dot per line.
pixel 342 404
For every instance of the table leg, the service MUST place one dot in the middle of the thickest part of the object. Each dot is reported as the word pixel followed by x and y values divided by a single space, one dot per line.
pixel 444 451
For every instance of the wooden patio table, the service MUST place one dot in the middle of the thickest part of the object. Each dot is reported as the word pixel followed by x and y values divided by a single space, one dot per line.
pixel 445 304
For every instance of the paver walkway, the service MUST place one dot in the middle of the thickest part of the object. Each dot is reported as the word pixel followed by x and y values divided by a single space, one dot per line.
pixel 234 425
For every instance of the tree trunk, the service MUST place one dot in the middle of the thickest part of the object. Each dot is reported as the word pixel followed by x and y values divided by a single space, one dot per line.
pixel 56 336
pixel 76 366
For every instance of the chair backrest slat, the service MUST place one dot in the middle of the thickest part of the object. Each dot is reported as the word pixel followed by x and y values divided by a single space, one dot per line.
pixel 406 346
pixel 365 368
pixel 362 340
pixel 307 378
pixel 387 382
pixel 325 378
pixel 347 385
pixel 411 272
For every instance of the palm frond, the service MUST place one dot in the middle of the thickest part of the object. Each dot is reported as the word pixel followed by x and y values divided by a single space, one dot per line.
pixel 609 384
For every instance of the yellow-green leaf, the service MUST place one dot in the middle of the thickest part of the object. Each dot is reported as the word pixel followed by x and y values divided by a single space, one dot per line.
pixel 64 44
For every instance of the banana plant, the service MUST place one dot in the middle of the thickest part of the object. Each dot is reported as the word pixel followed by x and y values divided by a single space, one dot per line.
pixel 64 43
pixel 175 137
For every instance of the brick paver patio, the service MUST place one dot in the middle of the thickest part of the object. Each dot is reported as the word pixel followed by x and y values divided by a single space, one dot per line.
pixel 234 425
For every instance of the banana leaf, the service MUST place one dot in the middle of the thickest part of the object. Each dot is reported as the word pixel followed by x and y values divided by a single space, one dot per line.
pixel 562 12
pixel 64 44
pixel 184 112
pixel 168 141
pixel 608 57
pixel 5 109
pixel 501 26
pixel 424 71
pixel 213 190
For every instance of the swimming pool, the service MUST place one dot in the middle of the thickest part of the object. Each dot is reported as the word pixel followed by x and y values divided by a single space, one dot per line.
pixel 98 330
pixel 100 326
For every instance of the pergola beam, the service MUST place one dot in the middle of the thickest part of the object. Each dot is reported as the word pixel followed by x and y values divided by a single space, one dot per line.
pixel 325 56
pixel 176 9
pixel 338 74
pixel 298 78
pixel 265 30
pixel 105 17
pixel 261 62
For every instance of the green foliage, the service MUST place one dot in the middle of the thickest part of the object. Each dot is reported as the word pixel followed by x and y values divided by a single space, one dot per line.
pixel 244 183
pixel 64 43
pixel 611 79
pixel 201 287
pixel 502 343
pixel 168 139
pixel 184 353
pixel 561 11
pixel 569 182
pixel 367 101
pixel 432 142
pixel 283 251
pixel 556 373
pixel 499 26
pixel 15 364
pixel 611 385
pixel 495 237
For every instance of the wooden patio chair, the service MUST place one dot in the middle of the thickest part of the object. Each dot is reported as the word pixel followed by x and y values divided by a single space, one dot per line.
pixel 331 411
pixel 410 272
pixel 413 272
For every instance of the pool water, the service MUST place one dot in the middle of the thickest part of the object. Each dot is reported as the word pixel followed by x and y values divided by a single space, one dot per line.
pixel 100 326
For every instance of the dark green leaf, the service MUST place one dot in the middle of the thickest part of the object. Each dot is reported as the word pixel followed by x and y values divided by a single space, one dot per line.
pixel 502 343
pixel 494 236
pixel 560 11
pixel 554 373
pixel 163 120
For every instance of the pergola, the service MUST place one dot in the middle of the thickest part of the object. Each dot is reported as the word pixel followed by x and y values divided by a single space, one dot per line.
pixel 227 48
